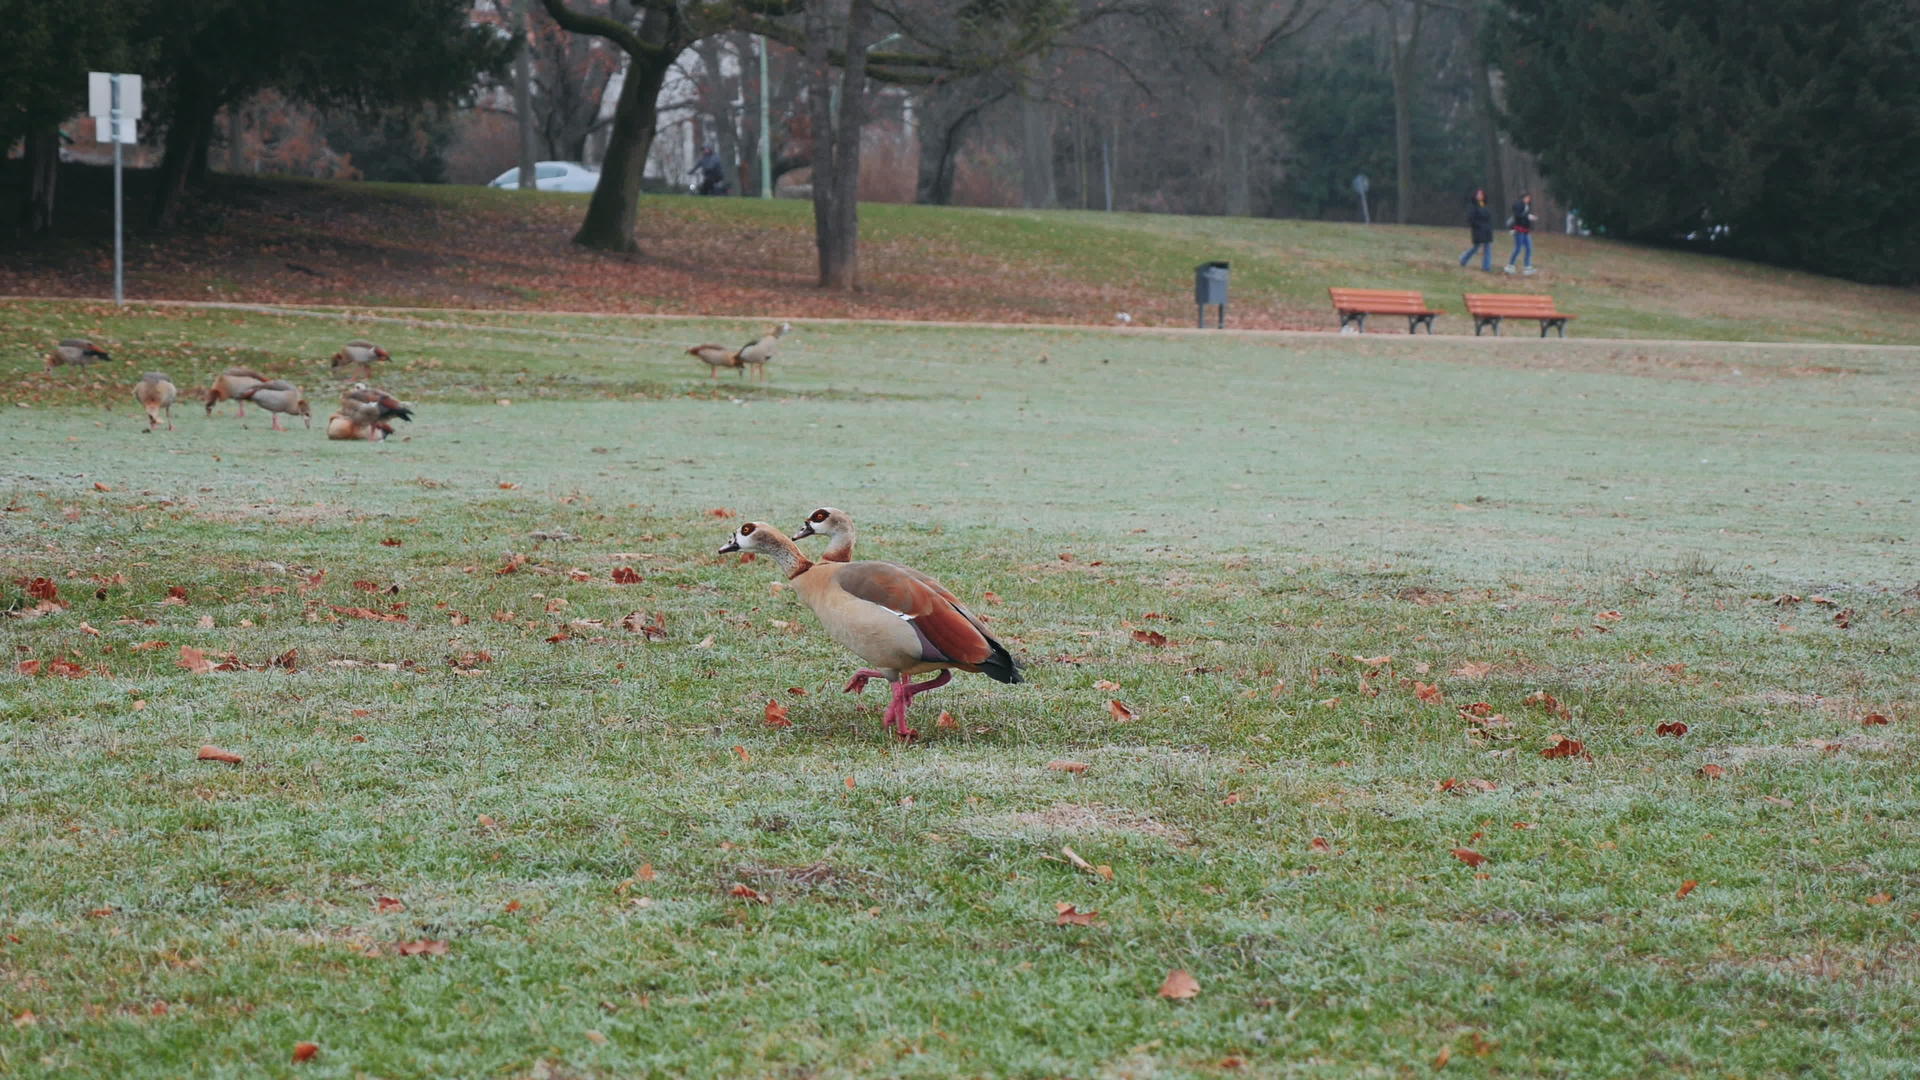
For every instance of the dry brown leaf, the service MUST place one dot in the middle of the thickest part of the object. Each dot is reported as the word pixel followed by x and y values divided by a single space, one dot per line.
pixel 1564 747
pixel 304 1051
pixel 1320 843
pixel 1472 669
pixel 1469 856
pixel 1106 684
pixel 387 904
pixel 1067 766
pixel 1120 710
pixel 1676 729
pixel 1151 637
pixel 626 575
pixel 1067 915
pixel 1880 898
pixel 426 947
pixel 1445 1055
pixel 746 893
pixel 741 753
pixel 1686 887
pixel 1712 772
pixel 1179 986
pixel 1428 692
pixel 210 752
pixel 946 721
pixel 776 715
pixel 1872 719
pixel 1232 799
pixel 194 660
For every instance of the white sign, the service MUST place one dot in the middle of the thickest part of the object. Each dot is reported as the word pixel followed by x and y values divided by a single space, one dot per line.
pixel 100 105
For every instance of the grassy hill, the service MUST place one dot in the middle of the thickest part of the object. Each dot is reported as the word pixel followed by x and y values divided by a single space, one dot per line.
pixel 381 244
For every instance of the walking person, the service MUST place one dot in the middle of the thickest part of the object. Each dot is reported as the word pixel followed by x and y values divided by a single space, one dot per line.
pixel 1479 231
pixel 1522 225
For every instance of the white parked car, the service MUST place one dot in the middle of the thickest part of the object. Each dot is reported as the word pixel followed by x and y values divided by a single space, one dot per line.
pixel 552 176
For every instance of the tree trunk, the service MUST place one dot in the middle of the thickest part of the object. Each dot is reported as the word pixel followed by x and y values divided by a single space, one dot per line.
pixel 1037 190
pixel 836 142
pixel 189 133
pixel 1489 110
pixel 43 175
pixel 720 114
pixel 943 127
pixel 1403 56
pixel 523 97
pixel 1233 155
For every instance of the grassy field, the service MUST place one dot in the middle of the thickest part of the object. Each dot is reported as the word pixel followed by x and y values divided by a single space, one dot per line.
pixel 1369 560
pixel 279 240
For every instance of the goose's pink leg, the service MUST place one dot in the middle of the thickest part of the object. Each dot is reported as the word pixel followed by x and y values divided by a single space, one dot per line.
pixel 896 716
pixel 858 684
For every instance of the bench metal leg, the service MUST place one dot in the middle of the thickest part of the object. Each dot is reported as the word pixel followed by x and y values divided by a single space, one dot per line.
pixel 1414 321
pixel 1357 318
pixel 1554 324
pixel 1486 321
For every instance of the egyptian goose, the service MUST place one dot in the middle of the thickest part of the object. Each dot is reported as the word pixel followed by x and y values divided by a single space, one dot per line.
pixel 75 351
pixel 340 426
pixel 155 393
pixel 229 385
pixel 277 397
pixel 757 352
pixel 888 616
pixel 359 353
pixel 369 407
pixel 717 357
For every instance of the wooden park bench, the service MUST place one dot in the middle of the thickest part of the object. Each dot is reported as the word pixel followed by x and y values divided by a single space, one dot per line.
pixel 1488 309
pixel 1354 305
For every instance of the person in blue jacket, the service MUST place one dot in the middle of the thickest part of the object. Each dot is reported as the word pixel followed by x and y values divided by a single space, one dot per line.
pixel 1479 230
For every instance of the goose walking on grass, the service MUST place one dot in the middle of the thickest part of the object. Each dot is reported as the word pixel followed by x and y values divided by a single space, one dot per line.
pixel 229 385
pixel 279 397
pixel 889 616
pixel 156 393
pixel 359 353
pixel 369 409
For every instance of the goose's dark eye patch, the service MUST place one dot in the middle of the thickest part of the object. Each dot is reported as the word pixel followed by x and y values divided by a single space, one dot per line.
pixel 818 516
pixel 747 529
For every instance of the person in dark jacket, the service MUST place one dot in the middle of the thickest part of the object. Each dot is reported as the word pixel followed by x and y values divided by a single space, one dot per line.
pixel 1522 226
pixel 1479 230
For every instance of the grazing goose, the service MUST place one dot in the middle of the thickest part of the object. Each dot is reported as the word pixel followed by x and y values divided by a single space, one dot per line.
pixel 277 397
pixel 717 357
pixel 368 407
pixel 888 616
pixel 229 385
pixel 155 393
pixel 75 351
pixel 757 352
pixel 359 353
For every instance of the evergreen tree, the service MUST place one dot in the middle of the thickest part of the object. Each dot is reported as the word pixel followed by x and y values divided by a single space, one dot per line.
pixel 1786 131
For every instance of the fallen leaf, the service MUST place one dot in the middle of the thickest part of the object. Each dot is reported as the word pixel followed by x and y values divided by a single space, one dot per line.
pixel 653 628
pixel 1179 986
pixel 1477 710
pixel 1374 661
pixel 28 667
pixel 1608 616
pixel 390 542
pixel 720 512
pixel 1685 888
pixel 486 821
pixel 176 594
pixel 508 485
pixel 1675 729
pixel 1120 710
pixel 1445 1055
pixel 387 904
pixel 1232 799
pixel 210 752
pixel 1067 766
pixel 1066 915
pixel 1472 669
pixel 626 575
pixel 426 947
pixel 1880 898
pixel 1872 719
pixel 645 873
pixel 1483 785
pixel 1428 692
pixel 1843 618
pixel 777 715
pixel 1469 856
pixel 145 645
pixel 596 1038
pixel 512 906
pixel 746 893
pixel 1151 637
pixel 1824 601
pixel 1106 684
pixel 741 753
pixel 1564 747
pixel 1319 843
pixel 1712 772
pixel 946 721
pixel 98 486
pixel 304 1051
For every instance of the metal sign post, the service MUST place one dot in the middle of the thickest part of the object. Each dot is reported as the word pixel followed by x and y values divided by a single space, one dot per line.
pixel 114 101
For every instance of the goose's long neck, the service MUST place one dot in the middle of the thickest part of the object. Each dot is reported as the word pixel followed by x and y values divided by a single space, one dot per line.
pixel 788 555
pixel 840 547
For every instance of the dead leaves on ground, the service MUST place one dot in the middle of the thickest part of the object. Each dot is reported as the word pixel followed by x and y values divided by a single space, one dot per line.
pixel 1179 986
pixel 776 715
pixel 211 752
pixel 1067 915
